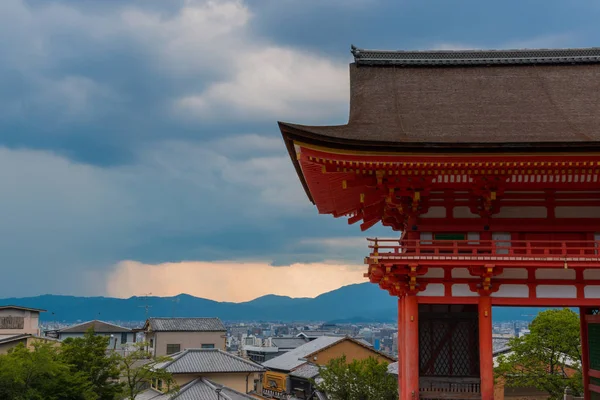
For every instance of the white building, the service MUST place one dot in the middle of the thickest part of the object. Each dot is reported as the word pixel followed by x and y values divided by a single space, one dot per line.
pixel 121 338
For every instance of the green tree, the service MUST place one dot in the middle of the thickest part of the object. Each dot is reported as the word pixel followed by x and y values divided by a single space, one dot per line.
pixel 39 374
pixel 366 379
pixel 548 358
pixel 139 370
pixel 88 355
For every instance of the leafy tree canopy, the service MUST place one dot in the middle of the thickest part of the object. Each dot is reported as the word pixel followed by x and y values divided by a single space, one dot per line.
pixel 366 379
pixel 88 355
pixel 138 371
pixel 40 374
pixel 548 358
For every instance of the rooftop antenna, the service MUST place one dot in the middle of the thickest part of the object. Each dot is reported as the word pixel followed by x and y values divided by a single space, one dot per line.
pixel 146 306
pixel 174 305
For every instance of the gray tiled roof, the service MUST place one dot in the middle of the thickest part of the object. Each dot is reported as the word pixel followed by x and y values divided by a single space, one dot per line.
pixel 12 338
pixel 476 57
pixel 292 359
pixel 393 368
pixel 198 389
pixel 186 324
pixel 306 371
pixel 288 342
pixel 196 361
pixel 99 327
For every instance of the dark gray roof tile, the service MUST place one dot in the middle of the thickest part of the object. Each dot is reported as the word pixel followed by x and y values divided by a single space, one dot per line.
pixel 186 324
pixel 306 371
pixel 476 57
pixel 196 361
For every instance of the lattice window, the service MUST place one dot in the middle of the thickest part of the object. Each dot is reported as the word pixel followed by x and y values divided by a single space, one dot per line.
pixel 594 345
pixel 448 347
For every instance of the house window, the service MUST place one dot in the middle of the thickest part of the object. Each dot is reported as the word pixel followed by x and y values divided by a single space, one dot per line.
pixel 208 346
pixel 123 337
pixel 160 384
pixel 151 343
pixel 173 348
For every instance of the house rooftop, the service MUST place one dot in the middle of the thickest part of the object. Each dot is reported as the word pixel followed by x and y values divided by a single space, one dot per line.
pixel 306 371
pixel 185 325
pixel 294 358
pixel 6 307
pixel 393 368
pixel 199 388
pixel 98 326
pixel 197 361
pixel 14 338
pixel 288 342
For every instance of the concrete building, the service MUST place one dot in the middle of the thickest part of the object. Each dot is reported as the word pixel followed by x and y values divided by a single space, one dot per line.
pixel 16 320
pixel 171 335
pixel 19 325
pixel 201 372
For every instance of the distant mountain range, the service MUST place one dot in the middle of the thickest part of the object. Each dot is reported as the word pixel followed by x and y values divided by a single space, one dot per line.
pixel 354 303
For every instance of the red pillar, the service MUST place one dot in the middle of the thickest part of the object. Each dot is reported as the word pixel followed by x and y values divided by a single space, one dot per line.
pixel 401 349
pixel 585 354
pixel 410 355
pixel 486 362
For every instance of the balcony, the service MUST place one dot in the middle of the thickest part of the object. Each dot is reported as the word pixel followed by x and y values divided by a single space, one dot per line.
pixel 550 253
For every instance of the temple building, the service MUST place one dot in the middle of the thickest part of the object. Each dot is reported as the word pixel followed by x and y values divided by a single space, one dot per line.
pixel 487 163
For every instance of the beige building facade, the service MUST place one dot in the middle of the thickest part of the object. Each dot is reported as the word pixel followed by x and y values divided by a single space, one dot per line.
pixel 15 320
pixel 165 343
pixel 19 325
pixel 165 336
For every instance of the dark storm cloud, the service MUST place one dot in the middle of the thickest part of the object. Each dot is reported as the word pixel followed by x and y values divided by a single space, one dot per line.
pixel 145 130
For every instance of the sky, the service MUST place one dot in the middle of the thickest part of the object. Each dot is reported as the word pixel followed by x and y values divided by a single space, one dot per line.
pixel 139 150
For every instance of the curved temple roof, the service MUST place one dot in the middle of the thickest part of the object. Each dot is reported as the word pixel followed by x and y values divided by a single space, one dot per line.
pixel 459 100
pixel 476 57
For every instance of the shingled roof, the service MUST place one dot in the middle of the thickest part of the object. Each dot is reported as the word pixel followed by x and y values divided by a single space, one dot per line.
pixel 476 57
pixel 197 361
pixel 521 100
pixel 185 325
pixel 199 388
pixel 98 326
pixel 8 307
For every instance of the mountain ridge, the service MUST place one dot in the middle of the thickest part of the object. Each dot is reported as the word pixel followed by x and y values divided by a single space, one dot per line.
pixel 358 302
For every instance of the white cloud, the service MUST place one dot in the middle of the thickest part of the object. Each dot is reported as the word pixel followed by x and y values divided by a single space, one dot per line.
pixel 230 281
pixel 207 50
pixel 251 77
pixel 278 82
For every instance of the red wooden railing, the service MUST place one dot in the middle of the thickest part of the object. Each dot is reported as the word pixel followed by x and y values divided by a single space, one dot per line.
pixel 449 388
pixel 477 247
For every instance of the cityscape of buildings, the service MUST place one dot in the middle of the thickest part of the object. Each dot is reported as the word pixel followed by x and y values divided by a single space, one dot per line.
pixel 271 359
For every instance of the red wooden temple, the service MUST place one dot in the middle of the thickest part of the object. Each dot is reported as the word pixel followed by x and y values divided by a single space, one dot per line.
pixel 488 163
